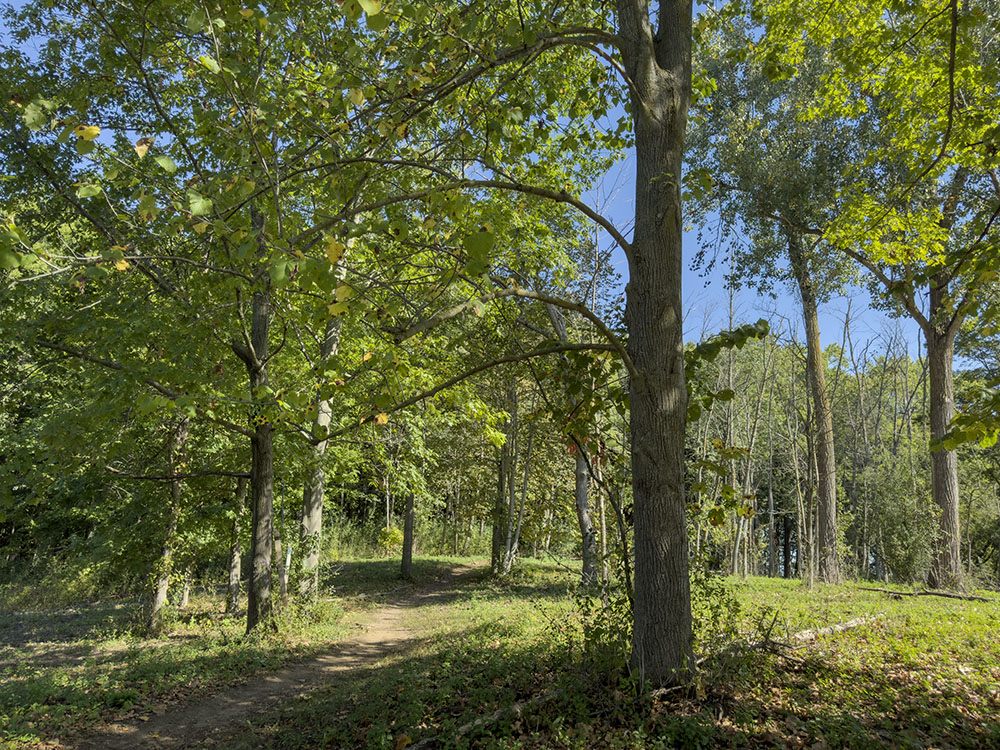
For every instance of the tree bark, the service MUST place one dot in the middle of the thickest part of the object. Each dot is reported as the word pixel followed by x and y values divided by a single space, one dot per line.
pixel 826 552
pixel 588 533
pixel 186 589
pixel 235 553
pixel 499 504
pixel 659 68
pixel 165 565
pixel 946 567
pixel 406 567
pixel 253 353
pixel 311 526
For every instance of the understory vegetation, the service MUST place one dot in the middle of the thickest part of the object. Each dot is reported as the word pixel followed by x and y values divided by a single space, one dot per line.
pixel 529 657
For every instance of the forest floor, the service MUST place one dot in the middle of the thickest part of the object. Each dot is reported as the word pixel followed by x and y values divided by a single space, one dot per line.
pixel 464 661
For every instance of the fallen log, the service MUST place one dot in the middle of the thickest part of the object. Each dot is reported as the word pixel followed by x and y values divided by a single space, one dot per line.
pixel 929 592
pixel 813 633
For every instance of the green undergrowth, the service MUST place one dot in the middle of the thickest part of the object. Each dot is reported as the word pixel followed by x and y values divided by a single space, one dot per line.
pixel 924 672
pixel 538 665
pixel 64 671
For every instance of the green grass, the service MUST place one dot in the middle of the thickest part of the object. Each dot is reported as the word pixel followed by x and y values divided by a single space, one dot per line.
pixel 62 672
pixel 925 673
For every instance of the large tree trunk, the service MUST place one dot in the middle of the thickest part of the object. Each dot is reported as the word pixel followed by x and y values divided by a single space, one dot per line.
pixel 587 531
pixel 311 526
pixel 406 567
pixel 659 68
pixel 235 553
pixel 946 568
pixel 165 565
pixel 826 468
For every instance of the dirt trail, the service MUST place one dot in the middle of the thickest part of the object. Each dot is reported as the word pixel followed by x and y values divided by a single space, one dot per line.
pixel 191 724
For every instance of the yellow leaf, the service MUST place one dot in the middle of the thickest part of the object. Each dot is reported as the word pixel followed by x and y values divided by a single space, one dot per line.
pixel 200 227
pixel 334 251
pixel 142 146
pixel 357 96
pixel 337 308
pixel 121 265
pixel 368 355
pixel 246 12
pixel 384 419
pixel 87 132
pixel 343 292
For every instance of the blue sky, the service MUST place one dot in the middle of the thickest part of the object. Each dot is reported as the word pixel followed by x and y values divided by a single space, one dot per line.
pixel 706 296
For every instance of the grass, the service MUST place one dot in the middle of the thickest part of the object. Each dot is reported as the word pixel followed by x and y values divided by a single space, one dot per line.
pixel 64 671
pixel 925 673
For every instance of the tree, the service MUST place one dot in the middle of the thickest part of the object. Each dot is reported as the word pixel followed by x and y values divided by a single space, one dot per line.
pixel 769 174
pixel 420 84
pixel 921 210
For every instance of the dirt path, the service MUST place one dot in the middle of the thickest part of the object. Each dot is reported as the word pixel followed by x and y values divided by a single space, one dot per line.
pixel 191 724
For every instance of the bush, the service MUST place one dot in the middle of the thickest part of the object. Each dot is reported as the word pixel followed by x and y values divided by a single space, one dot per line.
pixel 390 541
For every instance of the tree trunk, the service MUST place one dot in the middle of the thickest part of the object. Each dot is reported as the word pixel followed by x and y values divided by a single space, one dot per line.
pixel 186 589
pixel 278 552
pixel 165 565
pixel 311 526
pixel 946 568
pixel 659 68
pixel 786 546
pixel 406 567
pixel 826 552
pixel 586 521
pixel 496 546
pixel 233 590
pixel 253 352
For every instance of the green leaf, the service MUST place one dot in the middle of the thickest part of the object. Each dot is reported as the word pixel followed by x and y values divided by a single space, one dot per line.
pixel 279 272
pixel 200 205
pixel 196 21
pixel 167 163
pixel 88 191
pixel 9 259
pixel 378 23
pixel 478 246
pixel 371 7
pixel 211 63
pixel 34 116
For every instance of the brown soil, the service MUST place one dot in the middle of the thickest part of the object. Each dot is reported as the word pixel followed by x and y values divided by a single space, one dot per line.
pixel 191 724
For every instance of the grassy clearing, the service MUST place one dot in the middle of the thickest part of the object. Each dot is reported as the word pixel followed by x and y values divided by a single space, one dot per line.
pixel 62 672
pixel 924 675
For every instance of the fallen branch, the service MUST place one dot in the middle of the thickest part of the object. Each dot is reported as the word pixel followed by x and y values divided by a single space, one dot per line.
pixel 767 643
pixel 811 634
pixel 482 721
pixel 929 592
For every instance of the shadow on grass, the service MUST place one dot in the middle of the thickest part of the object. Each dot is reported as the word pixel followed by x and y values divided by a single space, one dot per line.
pixel 436 688
pixel 64 626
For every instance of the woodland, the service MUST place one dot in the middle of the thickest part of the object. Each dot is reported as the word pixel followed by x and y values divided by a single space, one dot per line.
pixel 330 355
